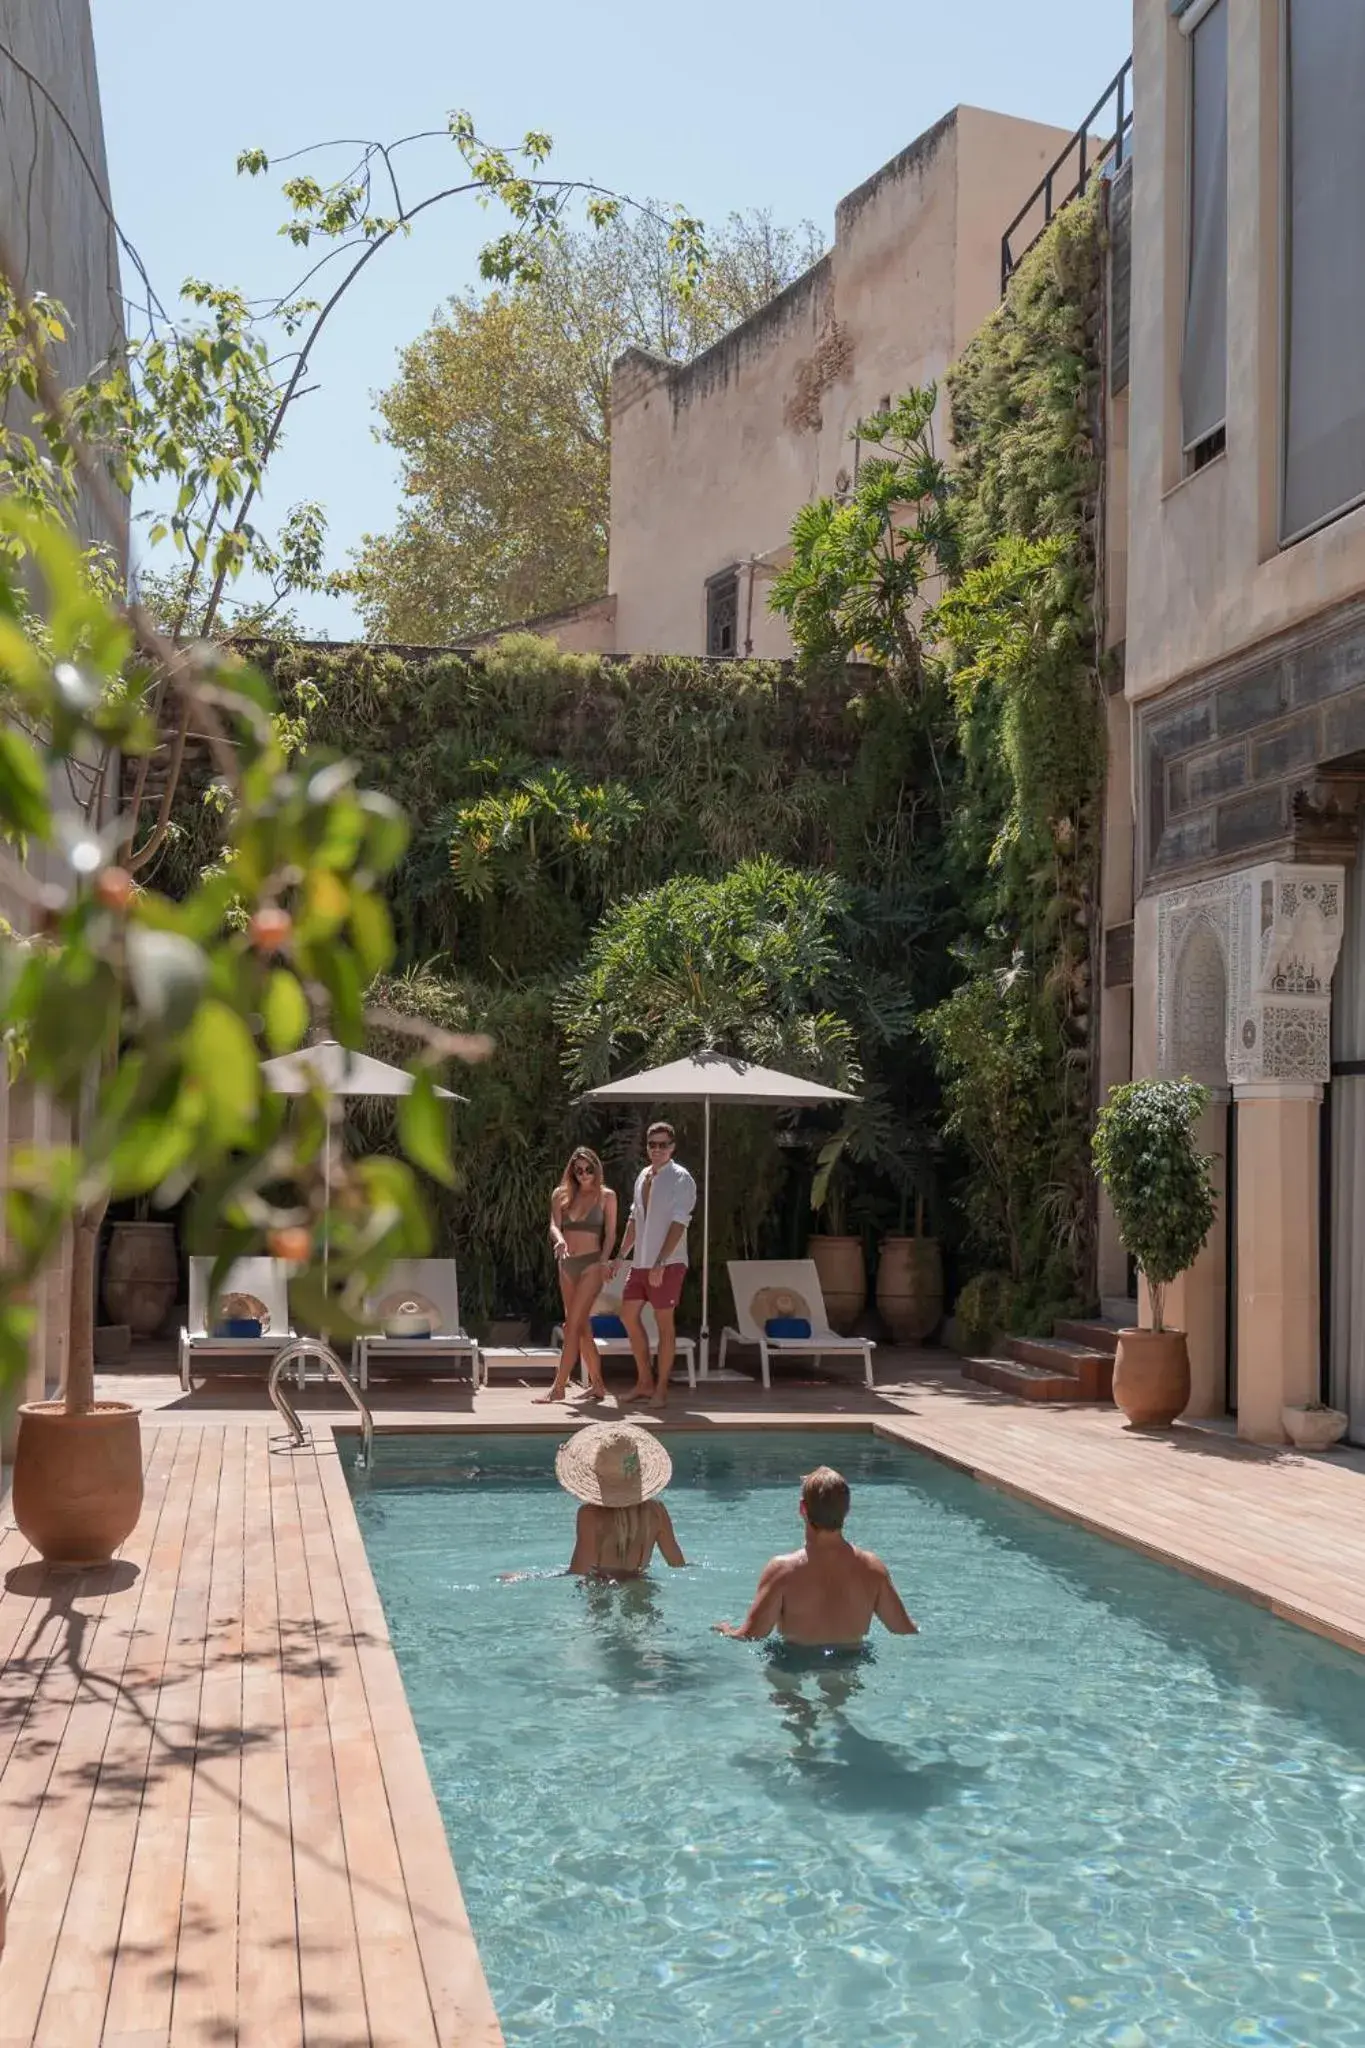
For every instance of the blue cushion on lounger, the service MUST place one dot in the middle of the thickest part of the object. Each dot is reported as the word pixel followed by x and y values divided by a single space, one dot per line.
pixel 786 1326
pixel 608 1326
pixel 238 1326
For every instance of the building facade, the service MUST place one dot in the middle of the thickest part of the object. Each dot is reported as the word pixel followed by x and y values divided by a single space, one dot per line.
pixel 58 225
pixel 1244 670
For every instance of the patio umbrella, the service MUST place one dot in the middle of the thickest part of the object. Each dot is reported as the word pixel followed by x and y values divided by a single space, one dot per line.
pixel 708 1077
pixel 339 1071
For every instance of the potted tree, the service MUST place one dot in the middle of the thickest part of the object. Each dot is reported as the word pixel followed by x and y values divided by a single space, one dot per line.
pixel 1161 1186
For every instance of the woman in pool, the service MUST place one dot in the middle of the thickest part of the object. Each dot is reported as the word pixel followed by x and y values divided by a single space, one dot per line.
pixel 583 1234
pixel 616 1469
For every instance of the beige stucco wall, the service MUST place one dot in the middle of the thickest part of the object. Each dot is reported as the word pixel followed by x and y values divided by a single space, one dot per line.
pixel 711 462
pixel 1206 574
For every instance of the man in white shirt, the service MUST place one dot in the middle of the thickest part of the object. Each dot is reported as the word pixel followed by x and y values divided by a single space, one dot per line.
pixel 656 1245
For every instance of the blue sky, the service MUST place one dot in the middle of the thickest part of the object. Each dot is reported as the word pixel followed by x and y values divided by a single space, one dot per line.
pixel 714 105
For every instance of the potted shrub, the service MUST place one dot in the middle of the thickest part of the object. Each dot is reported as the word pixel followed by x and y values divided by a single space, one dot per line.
pixel 1161 1186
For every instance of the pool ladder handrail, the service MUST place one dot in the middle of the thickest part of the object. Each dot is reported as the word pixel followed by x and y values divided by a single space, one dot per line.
pixel 294 1352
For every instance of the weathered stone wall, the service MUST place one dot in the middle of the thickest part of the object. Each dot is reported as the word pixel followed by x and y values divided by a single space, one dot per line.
pixel 711 461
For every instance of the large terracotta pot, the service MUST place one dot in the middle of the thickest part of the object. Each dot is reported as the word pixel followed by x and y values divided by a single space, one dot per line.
pixel 77 1480
pixel 910 1287
pixel 1152 1377
pixel 141 1276
pixel 843 1279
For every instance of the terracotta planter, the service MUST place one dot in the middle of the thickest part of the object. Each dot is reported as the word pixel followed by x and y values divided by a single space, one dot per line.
pixel 1313 1429
pixel 910 1287
pixel 1152 1377
pixel 141 1276
pixel 77 1480
pixel 843 1279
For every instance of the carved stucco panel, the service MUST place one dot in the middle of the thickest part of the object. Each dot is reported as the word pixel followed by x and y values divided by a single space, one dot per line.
pixel 1277 930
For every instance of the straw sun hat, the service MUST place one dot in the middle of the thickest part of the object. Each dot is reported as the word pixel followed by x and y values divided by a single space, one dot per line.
pixel 613 1465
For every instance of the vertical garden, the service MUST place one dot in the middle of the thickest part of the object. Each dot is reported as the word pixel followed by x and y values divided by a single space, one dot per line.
pixel 877 865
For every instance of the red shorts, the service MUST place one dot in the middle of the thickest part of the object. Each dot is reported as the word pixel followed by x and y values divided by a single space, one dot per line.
pixel 666 1294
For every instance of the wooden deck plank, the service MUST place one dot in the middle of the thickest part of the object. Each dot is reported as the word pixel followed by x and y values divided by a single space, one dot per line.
pixel 329 1961
pixel 73 2006
pixel 270 1999
pixel 62 1750
pixel 142 1991
pixel 205 2001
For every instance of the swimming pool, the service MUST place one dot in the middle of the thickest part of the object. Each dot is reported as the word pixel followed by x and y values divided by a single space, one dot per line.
pixel 1094 1802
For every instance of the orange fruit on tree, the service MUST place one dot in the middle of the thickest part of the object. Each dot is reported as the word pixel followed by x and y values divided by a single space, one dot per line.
pixel 292 1244
pixel 271 929
pixel 114 888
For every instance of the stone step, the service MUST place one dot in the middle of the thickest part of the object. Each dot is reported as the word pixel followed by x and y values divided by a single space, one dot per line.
pixel 1119 1309
pixel 1092 1333
pixel 1025 1382
pixel 1092 1369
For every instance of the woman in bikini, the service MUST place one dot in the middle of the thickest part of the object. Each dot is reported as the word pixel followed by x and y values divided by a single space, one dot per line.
pixel 617 1470
pixel 583 1234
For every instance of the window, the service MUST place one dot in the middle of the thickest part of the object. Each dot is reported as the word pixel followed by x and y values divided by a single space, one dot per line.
pixel 722 614
pixel 1324 263
pixel 1204 362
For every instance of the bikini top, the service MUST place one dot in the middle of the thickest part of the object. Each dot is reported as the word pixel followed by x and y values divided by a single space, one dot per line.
pixel 595 1221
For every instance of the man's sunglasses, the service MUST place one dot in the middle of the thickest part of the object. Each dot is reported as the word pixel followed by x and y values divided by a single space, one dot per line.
pixel 658 1144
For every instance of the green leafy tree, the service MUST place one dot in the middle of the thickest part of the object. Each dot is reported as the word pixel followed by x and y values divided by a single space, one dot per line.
pixel 143 1020
pixel 501 418
pixel 862 565
pixel 1160 1183
pixel 750 964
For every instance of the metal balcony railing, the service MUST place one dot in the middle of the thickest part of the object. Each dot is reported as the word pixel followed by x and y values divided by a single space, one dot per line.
pixel 1103 142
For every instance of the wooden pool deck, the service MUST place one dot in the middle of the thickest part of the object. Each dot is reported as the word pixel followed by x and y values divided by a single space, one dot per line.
pixel 213 1807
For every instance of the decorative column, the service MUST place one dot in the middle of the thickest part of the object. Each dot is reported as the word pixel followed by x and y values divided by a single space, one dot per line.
pixel 1285 928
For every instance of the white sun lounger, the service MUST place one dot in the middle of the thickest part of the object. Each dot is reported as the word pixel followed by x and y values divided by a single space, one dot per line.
pixel 432 1283
pixel 608 1303
pixel 268 1281
pixel 765 1288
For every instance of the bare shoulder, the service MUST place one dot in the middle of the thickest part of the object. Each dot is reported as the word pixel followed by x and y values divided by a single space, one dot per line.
pixel 872 1563
pixel 782 1567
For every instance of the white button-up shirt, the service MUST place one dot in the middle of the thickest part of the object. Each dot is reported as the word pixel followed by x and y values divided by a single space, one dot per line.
pixel 672 1198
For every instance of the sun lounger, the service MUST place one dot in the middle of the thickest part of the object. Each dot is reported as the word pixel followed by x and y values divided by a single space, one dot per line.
pixel 259 1290
pixel 608 1303
pixel 430 1287
pixel 770 1291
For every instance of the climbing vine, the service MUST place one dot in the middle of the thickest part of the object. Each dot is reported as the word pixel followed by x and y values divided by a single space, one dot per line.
pixel 1021 637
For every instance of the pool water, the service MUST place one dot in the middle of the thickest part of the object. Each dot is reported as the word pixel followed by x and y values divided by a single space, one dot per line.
pixel 1094 1802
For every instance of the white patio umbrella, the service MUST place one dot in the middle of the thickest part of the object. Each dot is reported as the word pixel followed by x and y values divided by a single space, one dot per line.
pixel 339 1071
pixel 708 1077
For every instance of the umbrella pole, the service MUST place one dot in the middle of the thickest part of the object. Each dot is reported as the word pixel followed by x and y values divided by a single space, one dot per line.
pixel 326 1202
pixel 706 1250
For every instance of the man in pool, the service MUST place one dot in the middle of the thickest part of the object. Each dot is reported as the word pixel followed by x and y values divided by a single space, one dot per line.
pixel 824 1596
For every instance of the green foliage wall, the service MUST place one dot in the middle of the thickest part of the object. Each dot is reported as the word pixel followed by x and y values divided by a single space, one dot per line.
pixel 1021 634
pixel 549 792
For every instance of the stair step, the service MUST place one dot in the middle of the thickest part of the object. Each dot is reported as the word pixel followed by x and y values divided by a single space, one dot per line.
pixel 1093 1334
pixel 1092 1369
pixel 1119 1309
pixel 1026 1382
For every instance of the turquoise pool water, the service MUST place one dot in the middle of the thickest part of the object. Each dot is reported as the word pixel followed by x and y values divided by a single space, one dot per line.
pixel 1094 1802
